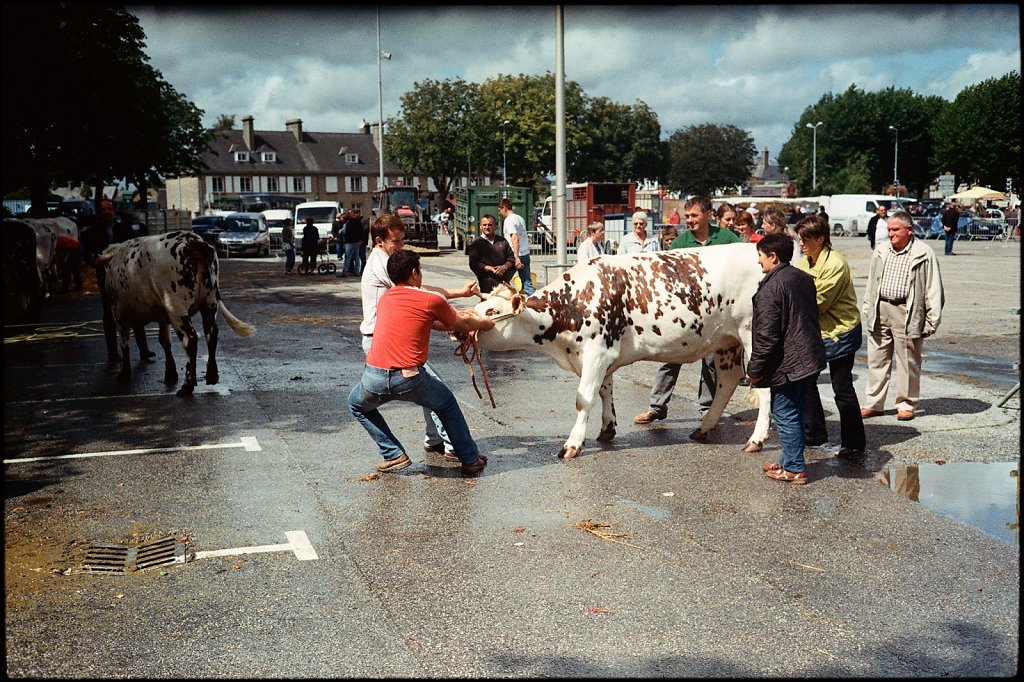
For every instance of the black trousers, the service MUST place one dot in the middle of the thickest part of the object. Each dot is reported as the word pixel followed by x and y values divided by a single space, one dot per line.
pixel 851 425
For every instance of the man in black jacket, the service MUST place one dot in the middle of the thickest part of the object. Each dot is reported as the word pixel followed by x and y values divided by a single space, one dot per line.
pixel 310 245
pixel 950 223
pixel 490 256
pixel 787 352
pixel 874 230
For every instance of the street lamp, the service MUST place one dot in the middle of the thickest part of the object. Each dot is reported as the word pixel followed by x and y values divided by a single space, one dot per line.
pixel 814 181
pixel 380 105
pixel 504 158
pixel 895 159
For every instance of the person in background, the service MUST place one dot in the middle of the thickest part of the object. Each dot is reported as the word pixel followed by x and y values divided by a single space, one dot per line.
pixel 822 213
pixel 593 245
pixel 745 228
pixel 514 230
pixel 674 218
pixel 395 366
pixel 841 332
pixel 725 216
pixel 310 245
pixel 787 353
pixel 68 256
pixel 388 232
pixel 353 239
pixel 490 256
pixel 288 246
pixel 697 214
pixel 638 241
pixel 877 233
pixel 107 230
pixel 338 233
pixel 902 306
pixel 668 235
pixel 950 223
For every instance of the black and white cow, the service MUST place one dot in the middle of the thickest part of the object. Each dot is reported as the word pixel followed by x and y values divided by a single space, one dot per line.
pixel 23 284
pixel 673 306
pixel 167 279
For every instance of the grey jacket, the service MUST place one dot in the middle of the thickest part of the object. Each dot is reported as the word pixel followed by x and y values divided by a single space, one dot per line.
pixel 925 296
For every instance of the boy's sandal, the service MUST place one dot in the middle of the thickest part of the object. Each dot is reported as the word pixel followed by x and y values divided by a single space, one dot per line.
pixel 771 466
pixel 394 464
pixel 787 476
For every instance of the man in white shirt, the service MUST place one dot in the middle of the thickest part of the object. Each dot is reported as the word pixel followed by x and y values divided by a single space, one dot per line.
pixel 638 241
pixel 388 234
pixel 513 229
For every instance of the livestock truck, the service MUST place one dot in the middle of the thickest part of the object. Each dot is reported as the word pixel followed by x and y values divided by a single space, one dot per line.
pixel 473 202
pixel 588 202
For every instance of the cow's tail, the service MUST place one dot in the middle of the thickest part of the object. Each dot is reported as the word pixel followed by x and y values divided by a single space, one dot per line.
pixel 237 326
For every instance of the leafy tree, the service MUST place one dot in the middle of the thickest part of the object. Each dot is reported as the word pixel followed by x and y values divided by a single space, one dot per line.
pixel 110 116
pixel 621 144
pixel 436 130
pixel 709 157
pixel 977 136
pixel 224 122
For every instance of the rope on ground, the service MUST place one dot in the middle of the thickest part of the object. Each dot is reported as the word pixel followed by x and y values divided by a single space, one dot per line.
pixel 46 332
pixel 469 350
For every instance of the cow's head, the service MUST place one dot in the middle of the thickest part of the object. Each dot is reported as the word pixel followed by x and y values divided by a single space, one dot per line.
pixel 501 305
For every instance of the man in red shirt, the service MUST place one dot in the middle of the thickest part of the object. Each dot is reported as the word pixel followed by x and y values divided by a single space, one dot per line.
pixel 406 313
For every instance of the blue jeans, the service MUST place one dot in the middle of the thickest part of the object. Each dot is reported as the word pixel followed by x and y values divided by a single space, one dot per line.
pixel 289 257
pixel 353 263
pixel 524 275
pixel 380 386
pixel 435 433
pixel 950 238
pixel 788 415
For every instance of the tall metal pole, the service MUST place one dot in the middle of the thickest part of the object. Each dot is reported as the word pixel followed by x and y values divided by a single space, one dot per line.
pixel 814 162
pixel 559 218
pixel 504 158
pixel 380 108
pixel 895 160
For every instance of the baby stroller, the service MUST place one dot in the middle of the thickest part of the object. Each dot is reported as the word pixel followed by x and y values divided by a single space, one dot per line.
pixel 321 261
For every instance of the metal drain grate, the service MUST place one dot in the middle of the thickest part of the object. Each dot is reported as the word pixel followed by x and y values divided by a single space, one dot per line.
pixel 119 559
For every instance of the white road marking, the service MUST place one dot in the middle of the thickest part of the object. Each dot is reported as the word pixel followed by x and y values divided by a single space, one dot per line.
pixel 297 543
pixel 249 443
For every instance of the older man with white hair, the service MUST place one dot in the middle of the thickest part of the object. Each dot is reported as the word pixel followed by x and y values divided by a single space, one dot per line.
pixel 638 241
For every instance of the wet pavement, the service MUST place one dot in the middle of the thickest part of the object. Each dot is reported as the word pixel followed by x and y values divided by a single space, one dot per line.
pixel 648 556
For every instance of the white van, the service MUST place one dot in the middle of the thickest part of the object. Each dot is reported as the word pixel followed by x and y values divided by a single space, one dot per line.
pixel 275 220
pixel 323 213
pixel 849 213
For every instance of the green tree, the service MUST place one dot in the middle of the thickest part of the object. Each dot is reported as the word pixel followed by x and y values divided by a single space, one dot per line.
pixel 977 136
pixel 706 158
pixel 620 144
pixel 856 147
pixel 107 113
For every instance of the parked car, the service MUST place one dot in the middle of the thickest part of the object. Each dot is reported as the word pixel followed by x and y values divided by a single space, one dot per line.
pixel 245 232
pixel 209 227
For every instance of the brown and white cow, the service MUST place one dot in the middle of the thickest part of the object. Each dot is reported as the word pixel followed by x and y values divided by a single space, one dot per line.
pixel 167 279
pixel 672 306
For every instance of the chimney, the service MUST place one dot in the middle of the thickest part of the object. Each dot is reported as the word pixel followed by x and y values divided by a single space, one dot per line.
pixel 247 134
pixel 764 158
pixel 295 128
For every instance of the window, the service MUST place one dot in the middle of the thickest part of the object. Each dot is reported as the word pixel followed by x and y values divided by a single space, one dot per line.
pixel 217 184
pixel 351 158
pixel 241 157
pixel 272 184
pixel 298 185
pixel 245 184
pixel 355 184
pixel 269 157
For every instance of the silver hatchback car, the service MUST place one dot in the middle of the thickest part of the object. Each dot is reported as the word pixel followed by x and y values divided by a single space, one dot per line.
pixel 244 233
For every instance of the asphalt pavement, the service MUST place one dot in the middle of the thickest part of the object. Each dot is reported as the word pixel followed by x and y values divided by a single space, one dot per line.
pixel 651 556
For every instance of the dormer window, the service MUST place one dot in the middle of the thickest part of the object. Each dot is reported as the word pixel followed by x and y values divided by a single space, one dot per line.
pixel 351 158
pixel 241 157
pixel 269 157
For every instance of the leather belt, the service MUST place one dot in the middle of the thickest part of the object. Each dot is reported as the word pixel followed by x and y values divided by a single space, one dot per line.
pixel 894 301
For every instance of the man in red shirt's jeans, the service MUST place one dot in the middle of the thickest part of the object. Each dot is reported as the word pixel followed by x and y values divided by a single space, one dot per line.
pixel 394 365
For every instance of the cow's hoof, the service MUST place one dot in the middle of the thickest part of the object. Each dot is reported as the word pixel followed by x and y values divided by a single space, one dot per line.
pixel 699 435
pixel 212 379
pixel 568 453
pixel 753 447
pixel 186 390
pixel 606 435
pixel 171 379
pixel 124 378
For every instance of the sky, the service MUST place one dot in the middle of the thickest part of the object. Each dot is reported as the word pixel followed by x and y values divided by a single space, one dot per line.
pixel 757 67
